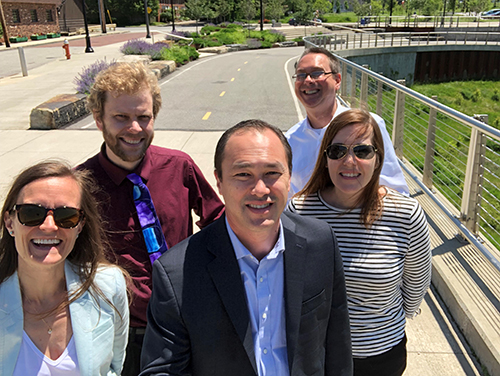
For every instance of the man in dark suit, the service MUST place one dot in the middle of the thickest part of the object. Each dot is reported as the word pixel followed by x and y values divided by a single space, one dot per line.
pixel 258 292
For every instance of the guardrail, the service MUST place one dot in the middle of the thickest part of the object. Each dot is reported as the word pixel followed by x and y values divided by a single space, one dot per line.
pixel 191 40
pixel 344 41
pixel 454 157
pixel 426 21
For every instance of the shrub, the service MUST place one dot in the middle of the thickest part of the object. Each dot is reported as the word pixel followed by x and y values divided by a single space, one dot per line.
pixel 495 96
pixel 180 55
pixel 476 95
pixel 86 78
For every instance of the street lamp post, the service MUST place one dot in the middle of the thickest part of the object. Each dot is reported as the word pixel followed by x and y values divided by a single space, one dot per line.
pixel 87 35
pixel 173 14
pixel 261 16
pixel 444 14
pixel 148 35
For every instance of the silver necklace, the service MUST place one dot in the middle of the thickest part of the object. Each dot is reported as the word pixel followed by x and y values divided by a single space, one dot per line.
pixel 49 331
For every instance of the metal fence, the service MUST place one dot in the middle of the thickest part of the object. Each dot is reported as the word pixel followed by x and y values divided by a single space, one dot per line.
pixel 343 41
pixel 427 21
pixel 454 158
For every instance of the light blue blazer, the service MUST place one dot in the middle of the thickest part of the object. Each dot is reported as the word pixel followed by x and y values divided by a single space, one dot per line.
pixel 100 334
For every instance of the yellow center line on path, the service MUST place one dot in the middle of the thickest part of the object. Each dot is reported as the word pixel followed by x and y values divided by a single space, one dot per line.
pixel 207 115
pixel 239 69
pixel 222 94
pixel 246 62
pixel 232 79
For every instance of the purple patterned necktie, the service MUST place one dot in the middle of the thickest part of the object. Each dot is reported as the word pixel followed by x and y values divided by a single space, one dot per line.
pixel 150 224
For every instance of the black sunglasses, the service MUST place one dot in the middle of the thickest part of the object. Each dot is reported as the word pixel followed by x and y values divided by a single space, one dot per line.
pixel 34 215
pixel 314 75
pixel 361 151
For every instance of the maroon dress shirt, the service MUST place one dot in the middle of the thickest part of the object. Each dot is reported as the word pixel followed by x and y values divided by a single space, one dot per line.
pixel 177 186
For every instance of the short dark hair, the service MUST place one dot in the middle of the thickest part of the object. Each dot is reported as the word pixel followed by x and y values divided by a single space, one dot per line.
pixel 334 62
pixel 242 126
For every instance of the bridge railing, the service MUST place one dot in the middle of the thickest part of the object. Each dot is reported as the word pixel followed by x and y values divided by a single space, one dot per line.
pixel 426 21
pixel 344 41
pixel 455 158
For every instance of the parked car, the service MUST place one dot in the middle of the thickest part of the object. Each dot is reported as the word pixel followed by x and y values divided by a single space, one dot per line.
pixel 494 13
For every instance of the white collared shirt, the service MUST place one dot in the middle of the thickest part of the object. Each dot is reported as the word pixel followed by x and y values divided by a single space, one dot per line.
pixel 264 287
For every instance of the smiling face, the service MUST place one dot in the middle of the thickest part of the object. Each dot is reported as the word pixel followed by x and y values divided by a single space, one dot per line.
pixel 46 244
pixel 254 182
pixel 317 96
pixel 350 175
pixel 127 125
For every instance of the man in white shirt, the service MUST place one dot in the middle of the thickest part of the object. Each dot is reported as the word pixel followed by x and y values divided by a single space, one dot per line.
pixel 317 80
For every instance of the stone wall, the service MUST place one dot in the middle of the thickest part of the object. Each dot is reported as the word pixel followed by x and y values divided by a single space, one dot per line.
pixel 26 27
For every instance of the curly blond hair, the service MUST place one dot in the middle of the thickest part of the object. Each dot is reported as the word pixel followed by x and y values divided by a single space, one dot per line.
pixel 123 78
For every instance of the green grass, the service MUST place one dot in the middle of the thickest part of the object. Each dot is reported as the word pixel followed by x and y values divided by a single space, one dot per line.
pixel 339 17
pixel 468 97
pixel 452 141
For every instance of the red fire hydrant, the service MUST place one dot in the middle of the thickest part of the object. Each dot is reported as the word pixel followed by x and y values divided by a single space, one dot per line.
pixel 66 48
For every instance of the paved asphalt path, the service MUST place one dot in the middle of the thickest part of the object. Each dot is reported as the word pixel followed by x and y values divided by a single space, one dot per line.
pixel 214 93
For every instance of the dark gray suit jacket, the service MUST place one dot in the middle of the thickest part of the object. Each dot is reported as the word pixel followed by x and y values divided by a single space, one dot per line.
pixel 198 319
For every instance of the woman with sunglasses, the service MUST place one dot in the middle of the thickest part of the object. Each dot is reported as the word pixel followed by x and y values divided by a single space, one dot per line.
pixel 63 307
pixel 383 238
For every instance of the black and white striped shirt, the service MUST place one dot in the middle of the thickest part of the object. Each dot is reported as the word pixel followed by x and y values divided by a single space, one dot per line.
pixel 387 267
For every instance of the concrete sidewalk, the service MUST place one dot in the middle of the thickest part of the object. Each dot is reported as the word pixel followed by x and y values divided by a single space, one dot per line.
pixel 435 347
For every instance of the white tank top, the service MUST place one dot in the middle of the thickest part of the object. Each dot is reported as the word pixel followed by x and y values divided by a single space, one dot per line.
pixel 31 361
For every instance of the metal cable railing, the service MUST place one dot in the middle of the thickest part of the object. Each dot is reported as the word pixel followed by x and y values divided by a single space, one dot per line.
pixel 449 152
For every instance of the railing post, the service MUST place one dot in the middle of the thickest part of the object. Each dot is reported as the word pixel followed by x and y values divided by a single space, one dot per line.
pixel 429 148
pixel 428 37
pixel 364 86
pixel 376 39
pixel 471 199
pixel 343 81
pixel 399 121
pixel 409 38
pixel 380 88
pixel 487 36
pixel 360 40
pixel 335 43
pixel 353 87
pixel 347 41
pixel 392 39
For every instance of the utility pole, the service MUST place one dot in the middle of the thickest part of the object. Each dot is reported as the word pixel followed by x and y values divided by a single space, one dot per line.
pixel 4 27
pixel 102 16
pixel 390 12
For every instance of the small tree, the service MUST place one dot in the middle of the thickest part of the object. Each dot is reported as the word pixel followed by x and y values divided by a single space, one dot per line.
pixel 196 9
pixel 274 9
pixel 248 9
pixel 323 6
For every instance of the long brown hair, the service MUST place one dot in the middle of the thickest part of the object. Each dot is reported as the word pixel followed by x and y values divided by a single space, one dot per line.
pixel 89 248
pixel 370 200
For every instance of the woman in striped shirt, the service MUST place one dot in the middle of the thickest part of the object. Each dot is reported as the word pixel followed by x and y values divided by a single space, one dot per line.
pixel 383 238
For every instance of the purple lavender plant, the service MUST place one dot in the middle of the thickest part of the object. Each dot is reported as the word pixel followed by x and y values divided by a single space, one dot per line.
pixel 141 47
pixel 86 78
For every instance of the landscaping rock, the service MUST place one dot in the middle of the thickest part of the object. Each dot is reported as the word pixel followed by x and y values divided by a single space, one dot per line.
pixel 146 59
pixel 58 111
pixel 215 50
pixel 162 68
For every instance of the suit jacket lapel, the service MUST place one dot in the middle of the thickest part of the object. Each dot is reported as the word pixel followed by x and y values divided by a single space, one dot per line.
pixel 225 273
pixel 81 321
pixel 11 330
pixel 294 256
